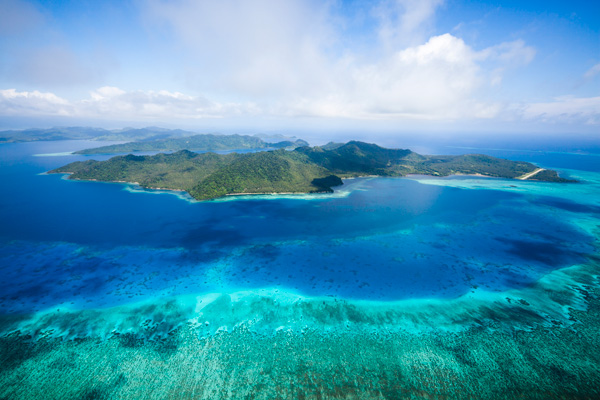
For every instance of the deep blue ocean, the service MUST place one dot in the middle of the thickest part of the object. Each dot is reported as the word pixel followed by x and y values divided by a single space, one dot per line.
pixel 90 245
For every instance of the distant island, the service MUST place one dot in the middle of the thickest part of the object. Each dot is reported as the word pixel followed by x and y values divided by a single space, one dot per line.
pixel 89 133
pixel 151 139
pixel 204 142
pixel 303 170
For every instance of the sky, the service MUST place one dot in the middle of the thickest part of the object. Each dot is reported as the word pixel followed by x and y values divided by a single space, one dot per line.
pixel 266 65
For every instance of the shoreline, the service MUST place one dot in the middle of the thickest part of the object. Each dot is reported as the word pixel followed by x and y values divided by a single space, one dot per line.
pixel 528 175
pixel 179 191
pixel 189 197
pixel 451 175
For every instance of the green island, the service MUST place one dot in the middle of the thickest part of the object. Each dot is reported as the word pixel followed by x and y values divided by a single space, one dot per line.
pixel 204 142
pixel 303 170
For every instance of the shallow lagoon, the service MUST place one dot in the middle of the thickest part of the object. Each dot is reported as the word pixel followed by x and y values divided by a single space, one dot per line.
pixel 417 256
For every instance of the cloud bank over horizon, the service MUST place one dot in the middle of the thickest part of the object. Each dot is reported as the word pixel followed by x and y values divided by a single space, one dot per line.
pixel 401 63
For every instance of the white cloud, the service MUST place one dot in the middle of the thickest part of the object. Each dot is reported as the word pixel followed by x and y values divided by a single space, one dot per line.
pixel 290 59
pixel 567 109
pixel 436 80
pixel 106 92
pixel 249 48
pixel 433 81
pixel 274 58
pixel 13 103
pixel 112 103
pixel 426 80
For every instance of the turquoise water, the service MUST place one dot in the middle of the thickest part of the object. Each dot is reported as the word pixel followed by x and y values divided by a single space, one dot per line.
pixel 88 245
pixel 417 285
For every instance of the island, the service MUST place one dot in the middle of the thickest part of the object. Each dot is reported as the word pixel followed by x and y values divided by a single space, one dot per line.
pixel 89 133
pixel 203 142
pixel 303 170
pixel 151 139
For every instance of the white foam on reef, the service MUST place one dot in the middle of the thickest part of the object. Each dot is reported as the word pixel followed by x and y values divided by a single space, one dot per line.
pixel 586 191
pixel 181 194
pixel 548 302
pixel 279 196
pixel 133 187
pixel 350 185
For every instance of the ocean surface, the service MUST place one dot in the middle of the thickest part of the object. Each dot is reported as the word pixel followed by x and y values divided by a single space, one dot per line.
pixel 90 259
pixel 95 245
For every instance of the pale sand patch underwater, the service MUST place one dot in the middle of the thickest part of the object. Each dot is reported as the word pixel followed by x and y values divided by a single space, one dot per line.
pixel 584 192
pixel 61 154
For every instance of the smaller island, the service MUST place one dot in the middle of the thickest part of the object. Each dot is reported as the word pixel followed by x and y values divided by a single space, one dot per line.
pixel 303 170
pixel 203 142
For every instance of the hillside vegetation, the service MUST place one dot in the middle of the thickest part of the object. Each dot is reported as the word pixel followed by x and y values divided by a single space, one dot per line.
pixel 304 170
pixel 205 142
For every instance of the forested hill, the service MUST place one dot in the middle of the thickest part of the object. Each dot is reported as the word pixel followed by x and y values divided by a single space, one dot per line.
pixel 304 170
pixel 205 142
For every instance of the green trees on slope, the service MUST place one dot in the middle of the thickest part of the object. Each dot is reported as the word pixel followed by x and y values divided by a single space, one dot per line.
pixel 304 170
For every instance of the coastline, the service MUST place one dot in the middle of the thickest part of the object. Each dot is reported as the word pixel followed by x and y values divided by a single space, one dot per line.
pixel 68 176
pixel 451 175
pixel 267 193
pixel 179 192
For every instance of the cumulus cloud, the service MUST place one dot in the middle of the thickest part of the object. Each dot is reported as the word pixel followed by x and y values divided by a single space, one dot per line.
pixel 426 81
pixel 116 103
pixel 439 79
pixel 435 80
pixel 14 103
pixel 290 58
pixel 112 103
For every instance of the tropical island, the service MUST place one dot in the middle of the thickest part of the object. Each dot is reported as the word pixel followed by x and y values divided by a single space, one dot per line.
pixel 89 133
pixel 204 142
pixel 303 170
pixel 151 139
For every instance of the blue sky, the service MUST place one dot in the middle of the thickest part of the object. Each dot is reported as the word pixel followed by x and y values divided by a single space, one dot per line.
pixel 389 66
